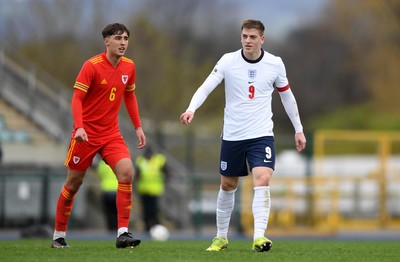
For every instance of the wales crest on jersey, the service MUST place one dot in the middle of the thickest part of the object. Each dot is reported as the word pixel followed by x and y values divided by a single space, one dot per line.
pixel 124 79
pixel 252 73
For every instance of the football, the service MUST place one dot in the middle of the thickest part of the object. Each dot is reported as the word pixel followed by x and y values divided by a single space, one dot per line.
pixel 159 233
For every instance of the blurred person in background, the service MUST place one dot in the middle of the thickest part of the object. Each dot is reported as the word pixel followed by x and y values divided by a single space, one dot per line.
pixel 250 74
pixel 151 174
pixel 103 82
pixel 109 186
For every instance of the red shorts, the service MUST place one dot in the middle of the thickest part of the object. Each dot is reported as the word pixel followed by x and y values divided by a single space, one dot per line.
pixel 111 149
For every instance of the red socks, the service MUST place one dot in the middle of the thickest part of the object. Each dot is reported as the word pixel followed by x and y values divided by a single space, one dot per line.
pixel 124 203
pixel 66 201
pixel 64 207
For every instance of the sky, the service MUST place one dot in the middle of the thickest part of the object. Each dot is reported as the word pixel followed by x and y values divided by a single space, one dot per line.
pixel 281 16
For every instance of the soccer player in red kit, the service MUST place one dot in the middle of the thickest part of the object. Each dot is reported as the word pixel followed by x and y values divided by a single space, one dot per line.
pixel 103 82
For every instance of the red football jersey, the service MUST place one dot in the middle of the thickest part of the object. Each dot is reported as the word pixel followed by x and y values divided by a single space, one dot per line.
pixel 104 86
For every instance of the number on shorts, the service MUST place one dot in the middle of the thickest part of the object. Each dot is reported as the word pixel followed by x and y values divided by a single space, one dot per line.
pixel 268 152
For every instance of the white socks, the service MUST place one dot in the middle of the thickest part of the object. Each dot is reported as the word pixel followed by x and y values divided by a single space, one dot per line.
pixel 261 208
pixel 225 204
pixel 121 230
pixel 58 234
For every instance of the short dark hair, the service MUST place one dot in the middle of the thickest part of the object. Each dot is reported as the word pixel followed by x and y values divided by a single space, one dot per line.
pixel 253 24
pixel 113 29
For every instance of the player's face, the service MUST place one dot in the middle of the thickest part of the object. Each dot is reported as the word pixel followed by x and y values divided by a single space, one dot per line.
pixel 251 41
pixel 117 44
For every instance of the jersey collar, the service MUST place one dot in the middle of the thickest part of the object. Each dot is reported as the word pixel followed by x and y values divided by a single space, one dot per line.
pixel 253 61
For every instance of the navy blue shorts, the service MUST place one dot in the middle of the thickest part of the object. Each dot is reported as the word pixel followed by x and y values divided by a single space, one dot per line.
pixel 235 155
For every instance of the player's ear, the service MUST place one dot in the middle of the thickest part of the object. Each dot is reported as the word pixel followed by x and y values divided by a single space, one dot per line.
pixel 106 41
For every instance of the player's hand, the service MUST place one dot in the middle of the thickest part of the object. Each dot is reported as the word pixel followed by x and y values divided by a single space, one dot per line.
pixel 141 138
pixel 187 117
pixel 80 135
pixel 300 141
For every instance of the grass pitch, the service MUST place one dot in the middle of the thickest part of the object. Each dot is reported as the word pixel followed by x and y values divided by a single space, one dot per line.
pixel 194 250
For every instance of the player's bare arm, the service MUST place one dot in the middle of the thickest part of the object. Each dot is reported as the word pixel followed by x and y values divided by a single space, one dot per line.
pixel 187 117
pixel 300 141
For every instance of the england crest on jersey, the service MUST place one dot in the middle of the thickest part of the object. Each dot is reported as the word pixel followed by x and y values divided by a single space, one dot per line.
pixel 252 73
pixel 124 79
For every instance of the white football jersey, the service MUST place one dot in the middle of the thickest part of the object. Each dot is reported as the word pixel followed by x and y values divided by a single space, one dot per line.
pixel 248 93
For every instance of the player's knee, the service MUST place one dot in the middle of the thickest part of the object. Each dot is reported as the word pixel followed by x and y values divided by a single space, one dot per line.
pixel 229 185
pixel 125 176
pixel 74 184
pixel 262 180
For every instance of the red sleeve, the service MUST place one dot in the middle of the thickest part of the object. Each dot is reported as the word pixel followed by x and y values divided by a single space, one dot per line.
pixel 76 105
pixel 283 88
pixel 132 108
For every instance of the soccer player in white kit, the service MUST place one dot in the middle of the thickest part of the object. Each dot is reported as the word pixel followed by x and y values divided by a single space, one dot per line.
pixel 251 75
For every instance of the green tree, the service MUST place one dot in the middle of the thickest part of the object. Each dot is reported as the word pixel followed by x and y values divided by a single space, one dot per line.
pixel 343 68
pixel 371 29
